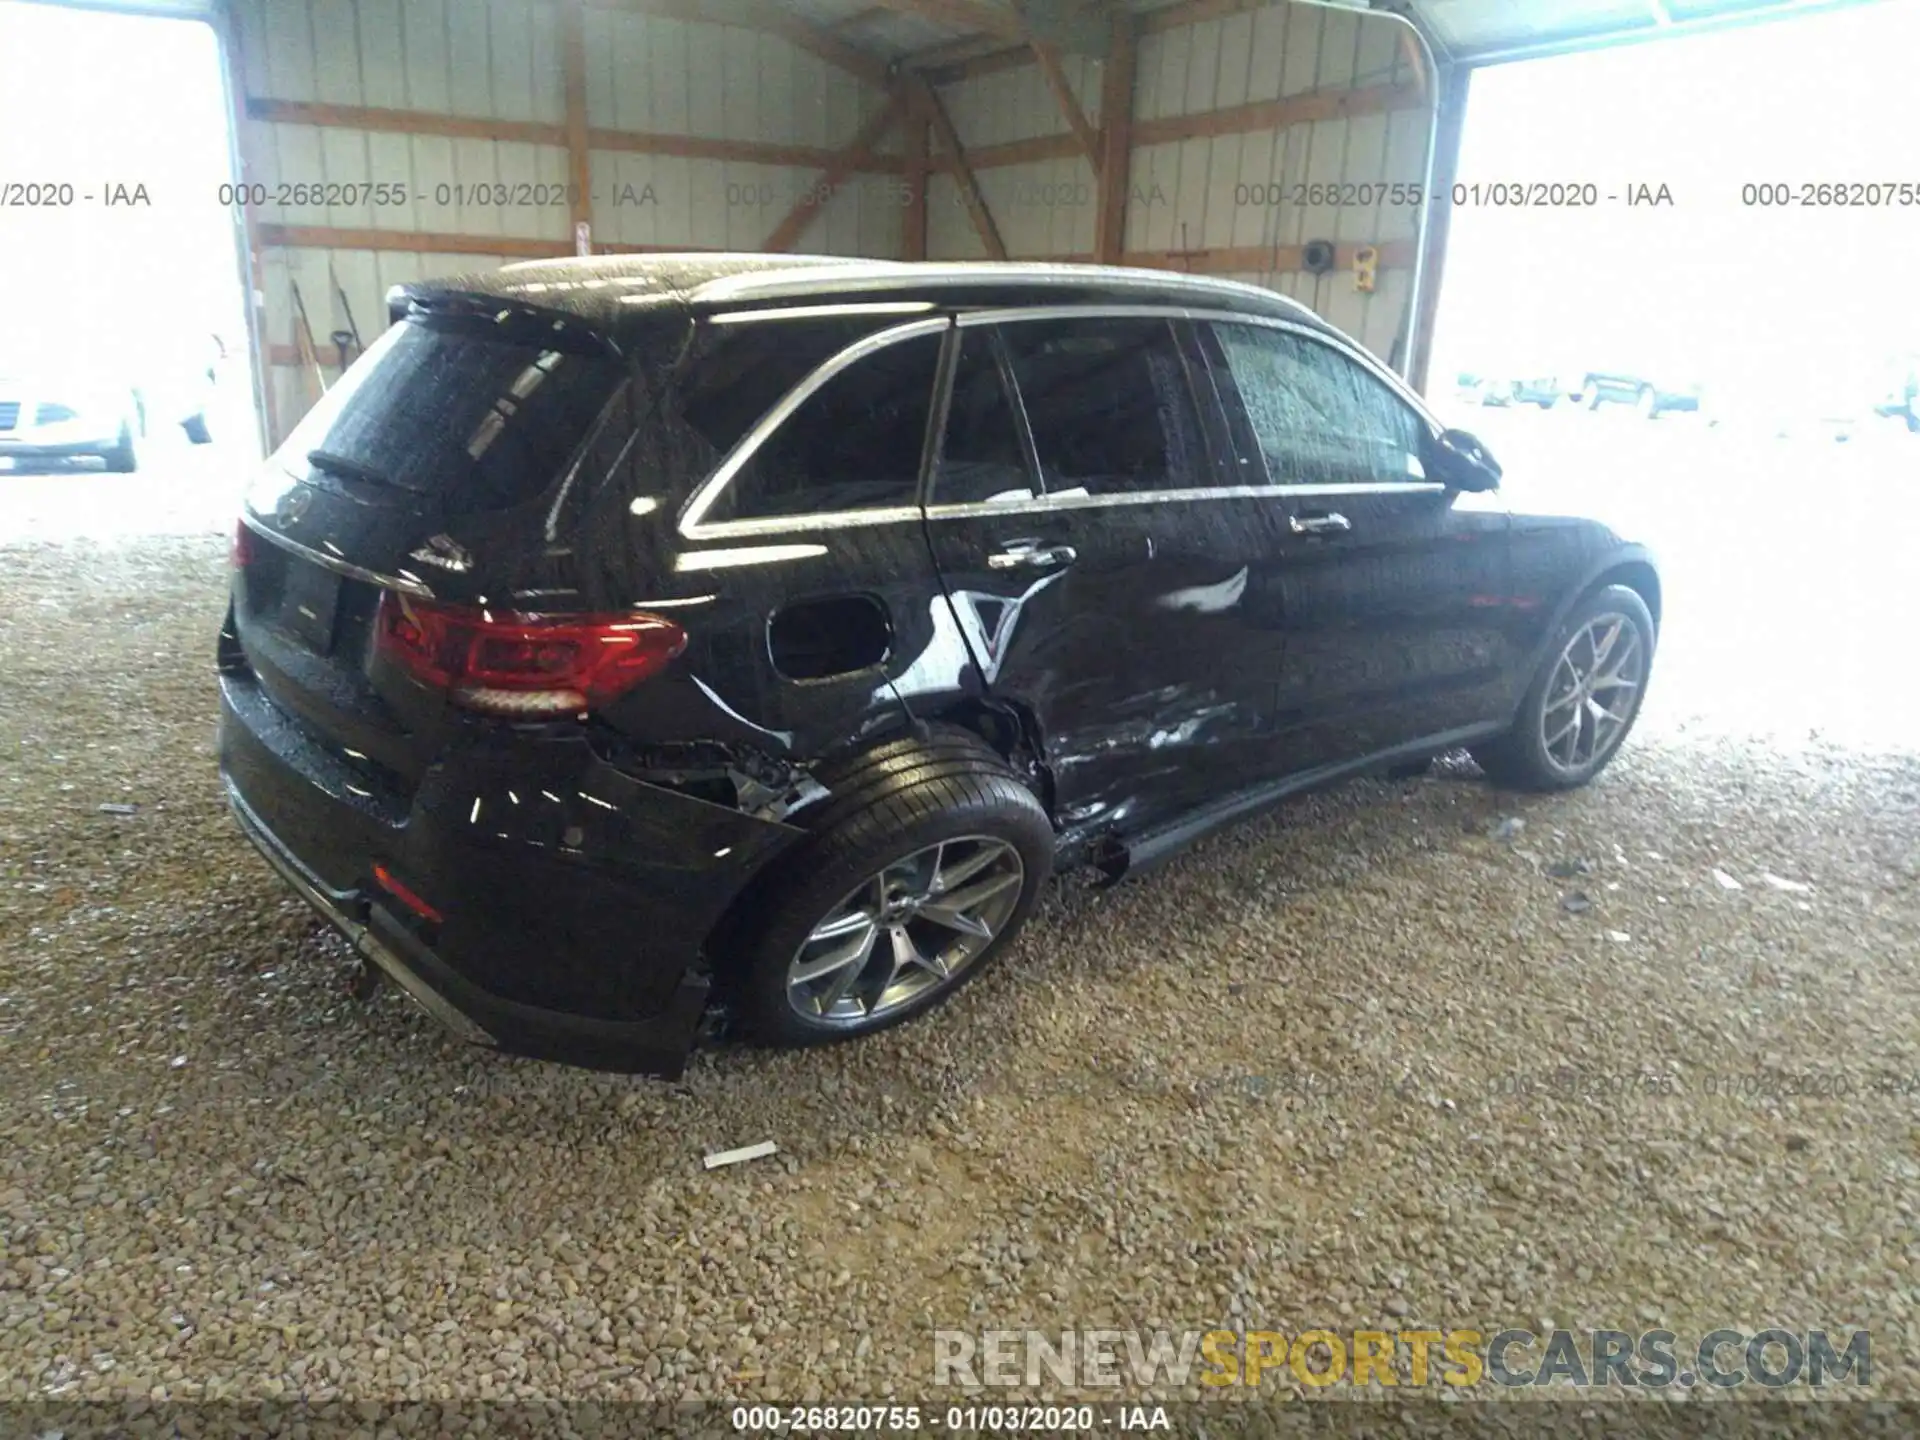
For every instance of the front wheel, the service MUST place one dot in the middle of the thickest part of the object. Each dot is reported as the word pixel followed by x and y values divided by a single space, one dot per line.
pixel 1584 699
pixel 121 459
pixel 923 866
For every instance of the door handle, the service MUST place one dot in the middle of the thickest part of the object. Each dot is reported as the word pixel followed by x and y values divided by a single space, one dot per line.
pixel 1324 524
pixel 1028 556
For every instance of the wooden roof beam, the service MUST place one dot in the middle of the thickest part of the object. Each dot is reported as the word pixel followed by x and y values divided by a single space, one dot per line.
pixel 1072 25
pixel 1116 143
pixel 858 18
pixel 977 16
pixel 857 156
pixel 1048 56
pixel 955 160
pixel 769 16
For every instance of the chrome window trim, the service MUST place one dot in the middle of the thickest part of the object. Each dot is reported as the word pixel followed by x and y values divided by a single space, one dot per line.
pixel 789 524
pixel 900 514
pixel 976 508
pixel 692 525
pixel 821 312
pixel 1013 314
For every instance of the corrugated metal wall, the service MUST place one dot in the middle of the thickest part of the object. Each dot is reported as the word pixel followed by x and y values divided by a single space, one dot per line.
pixel 310 70
pixel 422 58
pixel 1237 190
pixel 1041 207
pixel 705 135
pixel 1225 200
pixel 653 75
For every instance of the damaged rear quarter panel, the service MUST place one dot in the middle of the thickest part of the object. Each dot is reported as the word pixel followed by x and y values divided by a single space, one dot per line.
pixel 627 552
pixel 591 863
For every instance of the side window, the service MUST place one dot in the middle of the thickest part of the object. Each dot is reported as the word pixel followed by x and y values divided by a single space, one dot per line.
pixel 737 373
pixel 1109 404
pixel 982 457
pixel 854 444
pixel 1318 416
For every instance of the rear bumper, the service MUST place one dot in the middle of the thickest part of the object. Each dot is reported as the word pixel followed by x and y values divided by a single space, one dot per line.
pixel 351 916
pixel 585 950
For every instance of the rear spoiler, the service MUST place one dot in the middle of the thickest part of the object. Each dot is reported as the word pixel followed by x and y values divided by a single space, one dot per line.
pixel 554 329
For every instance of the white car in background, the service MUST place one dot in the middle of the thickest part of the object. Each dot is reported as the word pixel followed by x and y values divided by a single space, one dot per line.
pixel 1479 388
pixel 61 405
pixel 51 416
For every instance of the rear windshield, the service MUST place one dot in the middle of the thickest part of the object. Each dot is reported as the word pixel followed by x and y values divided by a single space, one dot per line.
pixel 447 408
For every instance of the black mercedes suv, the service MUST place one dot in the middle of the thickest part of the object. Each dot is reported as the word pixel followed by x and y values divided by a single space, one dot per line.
pixel 630 648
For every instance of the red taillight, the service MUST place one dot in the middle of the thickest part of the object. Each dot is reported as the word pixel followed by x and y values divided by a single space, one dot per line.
pixel 530 667
pixel 241 554
pixel 384 878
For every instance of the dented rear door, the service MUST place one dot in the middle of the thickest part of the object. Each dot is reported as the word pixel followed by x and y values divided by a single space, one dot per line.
pixel 1076 521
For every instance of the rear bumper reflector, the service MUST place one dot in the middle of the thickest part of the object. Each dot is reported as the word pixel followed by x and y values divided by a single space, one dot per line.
pixel 383 877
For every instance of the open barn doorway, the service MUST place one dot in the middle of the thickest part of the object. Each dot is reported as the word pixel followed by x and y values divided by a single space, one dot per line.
pixel 1679 291
pixel 127 404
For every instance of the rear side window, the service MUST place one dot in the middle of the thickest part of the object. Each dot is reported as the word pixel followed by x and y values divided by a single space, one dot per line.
pixel 1318 416
pixel 1109 405
pixel 853 444
pixel 453 410
pixel 738 372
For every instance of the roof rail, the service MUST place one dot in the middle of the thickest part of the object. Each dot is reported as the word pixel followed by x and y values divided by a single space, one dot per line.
pixel 869 275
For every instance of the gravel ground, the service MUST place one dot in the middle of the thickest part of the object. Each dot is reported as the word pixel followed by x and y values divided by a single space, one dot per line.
pixel 220 1176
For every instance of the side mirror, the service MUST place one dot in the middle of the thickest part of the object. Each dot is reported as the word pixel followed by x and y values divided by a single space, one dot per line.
pixel 1462 462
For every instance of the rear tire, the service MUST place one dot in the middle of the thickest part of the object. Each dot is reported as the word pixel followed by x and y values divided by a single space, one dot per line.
pixel 1540 753
pixel 121 459
pixel 898 816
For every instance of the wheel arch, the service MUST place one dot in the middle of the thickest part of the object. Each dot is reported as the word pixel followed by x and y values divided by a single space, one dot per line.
pixel 1006 727
pixel 1013 732
pixel 1000 728
pixel 1633 566
pixel 1639 575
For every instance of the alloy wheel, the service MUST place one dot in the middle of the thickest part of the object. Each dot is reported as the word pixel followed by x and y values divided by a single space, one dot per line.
pixel 1590 699
pixel 911 928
